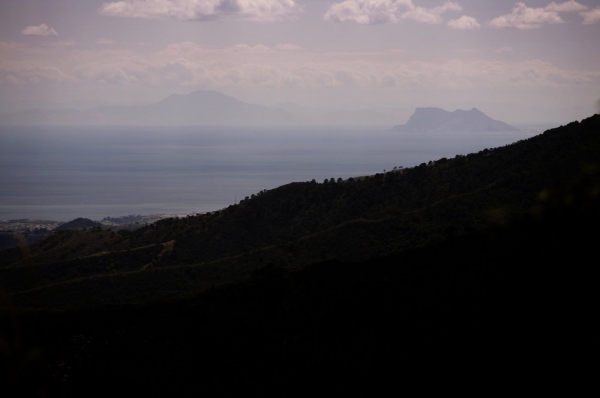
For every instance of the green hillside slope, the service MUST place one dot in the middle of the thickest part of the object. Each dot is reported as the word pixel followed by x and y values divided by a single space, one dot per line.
pixel 303 223
pixel 499 305
pixel 479 268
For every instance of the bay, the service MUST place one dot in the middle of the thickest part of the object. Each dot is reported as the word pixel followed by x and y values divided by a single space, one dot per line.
pixel 61 173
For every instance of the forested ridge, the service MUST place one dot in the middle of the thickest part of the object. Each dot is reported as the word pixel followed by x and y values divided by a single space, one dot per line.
pixel 485 256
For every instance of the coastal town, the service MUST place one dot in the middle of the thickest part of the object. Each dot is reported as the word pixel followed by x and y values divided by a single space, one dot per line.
pixel 24 231
pixel 25 225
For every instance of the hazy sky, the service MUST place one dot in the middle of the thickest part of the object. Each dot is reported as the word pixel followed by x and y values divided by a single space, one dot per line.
pixel 516 60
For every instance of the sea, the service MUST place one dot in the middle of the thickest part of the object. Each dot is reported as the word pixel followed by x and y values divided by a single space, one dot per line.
pixel 61 173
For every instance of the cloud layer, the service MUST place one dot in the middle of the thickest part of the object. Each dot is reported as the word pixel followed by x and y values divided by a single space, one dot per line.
pixel 386 11
pixel 260 67
pixel 254 10
pixel 464 23
pixel 590 17
pixel 40 30
pixel 367 12
pixel 523 17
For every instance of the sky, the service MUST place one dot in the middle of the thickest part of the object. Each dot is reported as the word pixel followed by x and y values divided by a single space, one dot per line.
pixel 533 61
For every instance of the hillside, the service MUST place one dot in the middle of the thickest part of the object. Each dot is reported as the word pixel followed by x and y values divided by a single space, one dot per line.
pixel 520 296
pixel 78 223
pixel 302 223
pixel 485 259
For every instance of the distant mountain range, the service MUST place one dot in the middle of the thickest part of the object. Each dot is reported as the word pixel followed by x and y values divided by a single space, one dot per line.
pixel 438 120
pixel 199 108
pixel 212 108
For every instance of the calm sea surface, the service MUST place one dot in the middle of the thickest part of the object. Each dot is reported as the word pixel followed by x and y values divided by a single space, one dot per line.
pixel 61 173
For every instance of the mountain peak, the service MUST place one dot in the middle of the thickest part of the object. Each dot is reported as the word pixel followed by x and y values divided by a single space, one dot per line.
pixel 438 120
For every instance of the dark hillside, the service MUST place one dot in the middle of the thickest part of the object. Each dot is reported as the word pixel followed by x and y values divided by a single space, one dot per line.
pixel 515 300
pixel 478 268
pixel 494 184
pixel 78 223
pixel 303 223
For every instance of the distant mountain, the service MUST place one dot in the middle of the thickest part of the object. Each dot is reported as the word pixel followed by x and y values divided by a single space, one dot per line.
pixel 202 107
pixel 439 120
pixel 199 108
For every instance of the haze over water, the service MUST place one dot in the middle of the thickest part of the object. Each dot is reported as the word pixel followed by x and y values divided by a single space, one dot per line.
pixel 59 173
pixel 355 62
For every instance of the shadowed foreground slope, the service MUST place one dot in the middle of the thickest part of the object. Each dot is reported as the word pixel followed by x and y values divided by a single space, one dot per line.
pixel 486 260
pixel 504 299
pixel 299 224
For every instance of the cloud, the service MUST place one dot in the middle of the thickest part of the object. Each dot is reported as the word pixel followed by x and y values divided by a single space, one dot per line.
pixel 40 30
pixel 186 10
pixel 245 67
pixel 464 23
pixel 523 17
pixel 590 17
pixel 567 6
pixel 430 15
pixel 370 12
pixel 105 42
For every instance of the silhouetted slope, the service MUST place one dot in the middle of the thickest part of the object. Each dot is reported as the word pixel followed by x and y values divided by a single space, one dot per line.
pixel 519 297
pixel 470 269
pixel 78 223
pixel 465 193
pixel 459 121
pixel 303 223
pixel 8 240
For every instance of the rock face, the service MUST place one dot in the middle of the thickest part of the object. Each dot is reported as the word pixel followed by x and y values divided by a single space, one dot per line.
pixel 439 120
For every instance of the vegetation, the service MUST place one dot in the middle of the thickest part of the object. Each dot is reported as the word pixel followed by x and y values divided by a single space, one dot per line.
pixel 485 257
pixel 24 232
pixel 78 223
